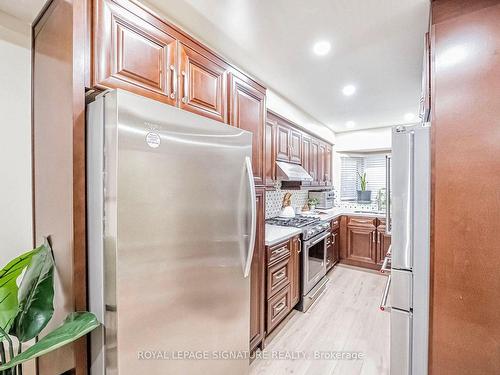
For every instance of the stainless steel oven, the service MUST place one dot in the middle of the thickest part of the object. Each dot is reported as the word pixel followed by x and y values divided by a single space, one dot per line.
pixel 314 260
pixel 314 264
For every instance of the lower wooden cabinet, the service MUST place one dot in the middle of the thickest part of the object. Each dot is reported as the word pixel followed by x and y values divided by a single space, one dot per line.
pixel 363 241
pixel 283 280
pixel 383 241
pixel 295 267
pixel 257 276
pixel 278 307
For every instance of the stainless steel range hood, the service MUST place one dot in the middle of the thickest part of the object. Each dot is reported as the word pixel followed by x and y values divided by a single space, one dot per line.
pixel 292 172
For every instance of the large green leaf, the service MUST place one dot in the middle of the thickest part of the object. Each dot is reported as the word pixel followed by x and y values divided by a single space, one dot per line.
pixel 36 297
pixel 9 288
pixel 75 326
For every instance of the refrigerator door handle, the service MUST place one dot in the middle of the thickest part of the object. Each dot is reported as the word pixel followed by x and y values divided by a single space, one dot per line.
pixel 253 221
pixel 388 223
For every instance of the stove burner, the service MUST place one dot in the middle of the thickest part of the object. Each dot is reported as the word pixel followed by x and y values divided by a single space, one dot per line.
pixel 297 221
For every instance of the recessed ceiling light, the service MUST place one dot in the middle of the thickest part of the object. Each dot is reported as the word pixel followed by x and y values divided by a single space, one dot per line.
pixel 350 124
pixel 322 47
pixel 349 90
pixel 409 117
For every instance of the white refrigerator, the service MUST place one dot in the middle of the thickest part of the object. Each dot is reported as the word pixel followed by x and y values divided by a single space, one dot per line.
pixel 410 254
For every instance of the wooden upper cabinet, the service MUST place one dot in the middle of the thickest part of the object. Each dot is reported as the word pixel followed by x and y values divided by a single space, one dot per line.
pixel 314 167
pixel 202 84
pixel 295 146
pixel 132 54
pixel 247 111
pixel 328 165
pixel 306 156
pixel 270 154
pixel 321 164
pixel 283 143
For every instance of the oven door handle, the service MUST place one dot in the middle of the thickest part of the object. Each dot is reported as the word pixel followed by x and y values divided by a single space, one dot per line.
pixel 317 240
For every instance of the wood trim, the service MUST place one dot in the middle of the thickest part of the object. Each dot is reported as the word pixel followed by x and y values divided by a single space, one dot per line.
pixel 159 20
pixel 80 74
pixel 279 118
pixel 443 10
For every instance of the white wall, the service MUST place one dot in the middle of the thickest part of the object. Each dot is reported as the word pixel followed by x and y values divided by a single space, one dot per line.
pixel 15 143
pixel 15 138
pixel 283 107
pixel 368 140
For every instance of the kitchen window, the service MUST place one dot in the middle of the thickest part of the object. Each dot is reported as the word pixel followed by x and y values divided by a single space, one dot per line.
pixel 374 165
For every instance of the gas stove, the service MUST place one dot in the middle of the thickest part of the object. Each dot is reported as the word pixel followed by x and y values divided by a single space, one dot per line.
pixel 299 221
pixel 311 226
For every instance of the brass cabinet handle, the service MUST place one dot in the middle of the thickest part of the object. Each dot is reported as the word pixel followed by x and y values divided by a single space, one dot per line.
pixel 185 88
pixel 280 306
pixel 173 83
pixel 280 275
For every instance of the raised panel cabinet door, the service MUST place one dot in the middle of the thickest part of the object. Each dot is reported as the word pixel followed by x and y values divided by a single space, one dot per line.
pixel 270 154
pixel 314 162
pixel 328 165
pixel 361 243
pixel 283 143
pixel 329 252
pixel 295 270
pixel 131 54
pixel 295 146
pixel 248 111
pixel 321 164
pixel 306 154
pixel 336 245
pixel 202 84
pixel 257 277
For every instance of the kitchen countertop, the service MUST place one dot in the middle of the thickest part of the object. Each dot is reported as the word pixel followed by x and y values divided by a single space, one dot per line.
pixel 275 233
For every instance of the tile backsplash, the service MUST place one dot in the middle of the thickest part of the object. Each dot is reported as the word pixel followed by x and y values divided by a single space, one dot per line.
pixel 274 200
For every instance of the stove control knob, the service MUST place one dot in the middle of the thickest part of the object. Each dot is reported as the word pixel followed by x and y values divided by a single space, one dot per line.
pixel 310 232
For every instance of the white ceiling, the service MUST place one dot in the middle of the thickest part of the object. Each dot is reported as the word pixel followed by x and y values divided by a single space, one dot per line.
pixel 25 10
pixel 377 45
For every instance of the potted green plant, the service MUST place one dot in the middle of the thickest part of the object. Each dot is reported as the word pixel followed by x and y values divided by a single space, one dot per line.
pixel 363 194
pixel 26 309
pixel 312 202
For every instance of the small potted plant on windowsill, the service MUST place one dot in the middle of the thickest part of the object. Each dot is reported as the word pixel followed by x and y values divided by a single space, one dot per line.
pixel 363 194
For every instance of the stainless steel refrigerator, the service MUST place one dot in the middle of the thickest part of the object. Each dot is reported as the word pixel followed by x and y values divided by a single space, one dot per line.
pixel 171 228
pixel 410 229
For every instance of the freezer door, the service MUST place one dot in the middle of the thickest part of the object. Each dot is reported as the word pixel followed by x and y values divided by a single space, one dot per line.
pixel 401 338
pixel 401 289
pixel 179 223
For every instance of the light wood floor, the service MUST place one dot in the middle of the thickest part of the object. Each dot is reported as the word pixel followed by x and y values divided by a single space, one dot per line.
pixel 346 318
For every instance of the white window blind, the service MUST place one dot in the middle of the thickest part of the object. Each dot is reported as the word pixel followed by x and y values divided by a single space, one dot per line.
pixel 349 178
pixel 374 167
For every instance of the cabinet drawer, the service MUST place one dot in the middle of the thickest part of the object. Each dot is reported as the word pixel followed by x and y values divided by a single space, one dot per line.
pixel 278 308
pixel 362 221
pixel 278 252
pixel 278 276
